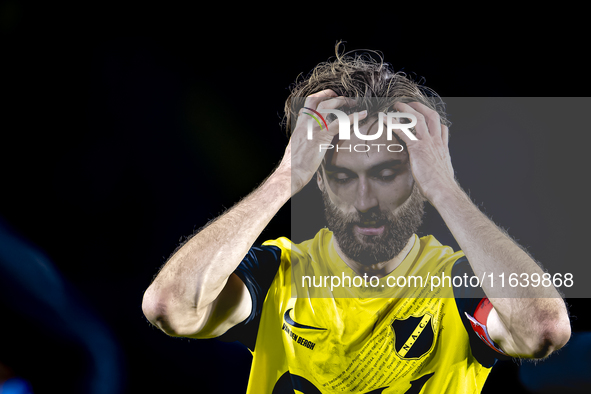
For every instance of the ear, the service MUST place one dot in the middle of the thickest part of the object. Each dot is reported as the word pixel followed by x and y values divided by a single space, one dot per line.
pixel 319 179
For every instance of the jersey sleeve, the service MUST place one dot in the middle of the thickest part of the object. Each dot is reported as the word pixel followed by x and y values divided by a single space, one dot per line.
pixel 469 300
pixel 257 271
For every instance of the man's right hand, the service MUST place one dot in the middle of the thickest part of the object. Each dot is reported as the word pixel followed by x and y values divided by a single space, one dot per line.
pixel 303 156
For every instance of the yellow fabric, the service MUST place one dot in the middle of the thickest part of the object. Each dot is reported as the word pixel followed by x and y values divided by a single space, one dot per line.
pixel 354 348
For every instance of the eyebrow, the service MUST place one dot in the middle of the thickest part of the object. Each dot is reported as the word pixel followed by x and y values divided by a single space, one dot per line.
pixel 377 167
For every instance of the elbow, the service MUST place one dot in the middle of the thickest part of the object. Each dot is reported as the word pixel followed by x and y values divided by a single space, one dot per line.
pixel 156 310
pixel 159 309
pixel 555 335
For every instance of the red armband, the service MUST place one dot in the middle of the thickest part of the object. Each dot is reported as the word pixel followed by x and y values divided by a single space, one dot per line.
pixel 478 322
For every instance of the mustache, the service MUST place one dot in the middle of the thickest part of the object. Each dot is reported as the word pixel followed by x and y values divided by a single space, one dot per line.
pixel 374 215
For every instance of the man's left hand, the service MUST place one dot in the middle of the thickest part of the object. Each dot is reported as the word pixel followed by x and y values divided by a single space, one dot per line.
pixel 429 155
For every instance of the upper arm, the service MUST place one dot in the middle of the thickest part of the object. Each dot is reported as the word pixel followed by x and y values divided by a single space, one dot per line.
pixel 232 306
pixel 473 308
pixel 240 300
pixel 536 339
pixel 501 335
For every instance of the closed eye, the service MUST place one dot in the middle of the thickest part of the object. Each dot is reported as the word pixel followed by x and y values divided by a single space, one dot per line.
pixel 386 175
pixel 387 178
pixel 341 178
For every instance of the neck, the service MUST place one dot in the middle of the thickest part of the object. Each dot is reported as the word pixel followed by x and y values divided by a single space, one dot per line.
pixel 379 269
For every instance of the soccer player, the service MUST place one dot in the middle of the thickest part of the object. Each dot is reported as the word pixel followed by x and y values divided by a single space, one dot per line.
pixel 391 323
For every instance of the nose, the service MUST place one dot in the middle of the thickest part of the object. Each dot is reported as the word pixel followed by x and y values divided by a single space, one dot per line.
pixel 365 198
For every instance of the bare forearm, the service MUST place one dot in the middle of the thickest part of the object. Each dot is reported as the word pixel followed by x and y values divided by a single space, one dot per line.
pixel 526 312
pixel 530 321
pixel 196 274
pixel 488 248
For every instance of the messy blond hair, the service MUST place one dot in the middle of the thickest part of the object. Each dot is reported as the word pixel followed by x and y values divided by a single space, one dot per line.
pixel 361 76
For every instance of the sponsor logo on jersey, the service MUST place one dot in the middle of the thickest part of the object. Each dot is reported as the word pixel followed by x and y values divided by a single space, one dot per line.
pixel 300 340
pixel 291 322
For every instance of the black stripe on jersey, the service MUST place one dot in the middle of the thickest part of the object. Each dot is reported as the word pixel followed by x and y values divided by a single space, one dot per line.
pixel 257 271
pixel 467 300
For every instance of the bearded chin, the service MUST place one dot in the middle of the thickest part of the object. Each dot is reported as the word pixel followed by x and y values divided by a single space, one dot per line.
pixel 399 226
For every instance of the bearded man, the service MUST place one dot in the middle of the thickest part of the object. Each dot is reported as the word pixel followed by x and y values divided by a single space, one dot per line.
pixel 355 308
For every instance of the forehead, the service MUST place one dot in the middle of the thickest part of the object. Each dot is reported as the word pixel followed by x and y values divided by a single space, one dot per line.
pixel 358 155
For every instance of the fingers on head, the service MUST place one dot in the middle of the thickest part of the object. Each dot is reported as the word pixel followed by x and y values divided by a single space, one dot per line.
pixel 428 120
pixel 336 102
pixel 325 100
pixel 314 99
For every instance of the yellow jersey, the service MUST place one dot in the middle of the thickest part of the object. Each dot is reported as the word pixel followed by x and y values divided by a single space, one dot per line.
pixel 378 338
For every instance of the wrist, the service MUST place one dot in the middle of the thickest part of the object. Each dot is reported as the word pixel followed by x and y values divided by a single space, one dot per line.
pixel 280 181
pixel 451 193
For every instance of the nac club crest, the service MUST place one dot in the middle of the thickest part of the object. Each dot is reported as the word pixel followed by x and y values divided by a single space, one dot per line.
pixel 413 336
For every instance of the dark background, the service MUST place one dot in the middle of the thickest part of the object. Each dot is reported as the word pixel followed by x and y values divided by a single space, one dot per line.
pixel 127 127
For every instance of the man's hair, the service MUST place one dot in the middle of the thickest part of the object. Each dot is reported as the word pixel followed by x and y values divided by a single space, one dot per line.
pixel 359 75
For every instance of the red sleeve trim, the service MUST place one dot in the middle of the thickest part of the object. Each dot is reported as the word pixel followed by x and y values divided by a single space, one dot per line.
pixel 478 322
